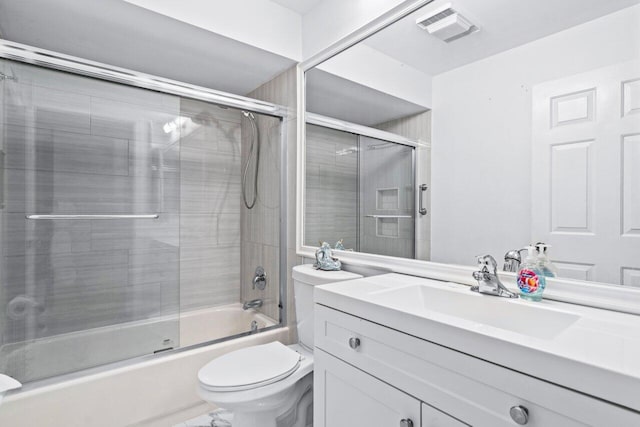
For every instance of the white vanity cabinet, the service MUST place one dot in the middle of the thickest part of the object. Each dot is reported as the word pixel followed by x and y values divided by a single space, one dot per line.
pixel 370 375
pixel 354 398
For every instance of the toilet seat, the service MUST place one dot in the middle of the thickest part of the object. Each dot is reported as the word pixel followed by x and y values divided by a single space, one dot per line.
pixel 249 368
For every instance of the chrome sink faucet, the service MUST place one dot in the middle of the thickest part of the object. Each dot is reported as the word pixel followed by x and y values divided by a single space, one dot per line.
pixel 488 281
pixel 512 260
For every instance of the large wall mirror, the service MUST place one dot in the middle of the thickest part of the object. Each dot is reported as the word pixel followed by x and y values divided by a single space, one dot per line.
pixel 468 127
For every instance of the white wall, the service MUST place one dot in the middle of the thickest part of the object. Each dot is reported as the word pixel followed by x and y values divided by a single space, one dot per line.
pixel 332 20
pixel 370 67
pixel 297 37
pixel 259 23
pixel 482 134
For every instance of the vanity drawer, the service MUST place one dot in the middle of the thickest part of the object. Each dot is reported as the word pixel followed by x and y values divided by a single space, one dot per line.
pixel 474 391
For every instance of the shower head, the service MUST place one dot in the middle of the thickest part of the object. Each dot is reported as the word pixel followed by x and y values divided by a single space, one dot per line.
pixel 248 115
pixel 203 118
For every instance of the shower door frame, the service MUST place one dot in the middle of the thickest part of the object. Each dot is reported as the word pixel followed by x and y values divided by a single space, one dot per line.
pixel 361 130
pixel 83 67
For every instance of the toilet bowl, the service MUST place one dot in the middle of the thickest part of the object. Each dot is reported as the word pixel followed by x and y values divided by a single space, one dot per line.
pixel 270 385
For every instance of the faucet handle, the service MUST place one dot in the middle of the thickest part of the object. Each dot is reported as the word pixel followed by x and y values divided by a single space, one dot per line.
pixel 487 263
pixel 512 260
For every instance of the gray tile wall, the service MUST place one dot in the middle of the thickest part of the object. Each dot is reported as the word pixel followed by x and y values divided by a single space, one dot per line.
pixel 209 206
pixel 260 225
pixel 79 146
pixel 386 166
pixel 418 128
pixel 331 188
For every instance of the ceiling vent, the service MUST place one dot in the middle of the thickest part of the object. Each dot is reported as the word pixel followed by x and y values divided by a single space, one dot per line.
pixel 446 23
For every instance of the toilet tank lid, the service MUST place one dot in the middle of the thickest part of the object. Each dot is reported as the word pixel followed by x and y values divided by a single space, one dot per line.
pixel 307 274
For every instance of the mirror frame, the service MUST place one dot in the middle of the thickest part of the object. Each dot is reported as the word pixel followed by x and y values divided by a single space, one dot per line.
pixel 594 294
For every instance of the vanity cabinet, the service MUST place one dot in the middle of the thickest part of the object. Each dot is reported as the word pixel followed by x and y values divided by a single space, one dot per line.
pixel 369 375
pixel 355 398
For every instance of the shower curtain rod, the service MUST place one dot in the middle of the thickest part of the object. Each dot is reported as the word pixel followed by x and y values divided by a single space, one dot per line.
pixel 58 61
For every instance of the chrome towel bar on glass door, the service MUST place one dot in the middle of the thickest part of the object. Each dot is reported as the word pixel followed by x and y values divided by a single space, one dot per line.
pixel 388 216
pixel 149 216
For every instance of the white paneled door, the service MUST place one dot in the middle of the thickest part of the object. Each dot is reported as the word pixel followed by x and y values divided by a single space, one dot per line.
pixel 586 173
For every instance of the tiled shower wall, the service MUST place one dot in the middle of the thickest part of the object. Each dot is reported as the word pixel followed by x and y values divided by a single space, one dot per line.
pixel 331 188
pixel 261 225
pixel 74 145
pixel 79 146
pixel 418 128
pixel 209 206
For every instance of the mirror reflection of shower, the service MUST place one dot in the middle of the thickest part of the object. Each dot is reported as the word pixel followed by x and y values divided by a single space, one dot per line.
pixel 254 151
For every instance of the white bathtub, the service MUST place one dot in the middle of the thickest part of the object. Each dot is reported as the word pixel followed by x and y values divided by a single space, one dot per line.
pixel 210 324
pixel 156 391
pixel 61 354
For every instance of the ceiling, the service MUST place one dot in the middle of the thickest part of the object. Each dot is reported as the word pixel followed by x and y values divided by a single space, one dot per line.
pixel 118 33
pixel 504 24
pixel 299 6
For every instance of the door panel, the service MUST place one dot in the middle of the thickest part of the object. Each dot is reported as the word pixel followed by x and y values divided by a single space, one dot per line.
pixel 348 397
pixel 586 183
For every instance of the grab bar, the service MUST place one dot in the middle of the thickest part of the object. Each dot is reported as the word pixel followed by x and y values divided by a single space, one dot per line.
pixel 422 210
pixel 388 216
pixel 150 216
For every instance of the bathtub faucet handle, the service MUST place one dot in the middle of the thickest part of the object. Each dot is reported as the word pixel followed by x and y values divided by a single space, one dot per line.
pixel 260 279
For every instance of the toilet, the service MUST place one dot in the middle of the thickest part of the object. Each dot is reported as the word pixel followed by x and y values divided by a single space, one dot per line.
pixel 271 385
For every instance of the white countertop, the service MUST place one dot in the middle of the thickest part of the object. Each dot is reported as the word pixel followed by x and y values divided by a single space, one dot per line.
pixel 597 354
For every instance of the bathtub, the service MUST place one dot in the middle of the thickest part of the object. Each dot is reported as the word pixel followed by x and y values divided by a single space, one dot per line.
pixel 154 390
pixel 211 324
pixel 59 354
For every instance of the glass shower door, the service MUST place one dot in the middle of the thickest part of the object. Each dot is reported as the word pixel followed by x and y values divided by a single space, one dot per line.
pixel 89 272
pixel 387 198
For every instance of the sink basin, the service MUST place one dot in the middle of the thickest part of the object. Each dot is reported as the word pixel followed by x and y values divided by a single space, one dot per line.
pixel 517 316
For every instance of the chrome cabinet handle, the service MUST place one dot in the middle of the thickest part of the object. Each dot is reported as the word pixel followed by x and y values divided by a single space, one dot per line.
pixel 519 414
pixel 422 210
pixel 406 423
pixel 354 342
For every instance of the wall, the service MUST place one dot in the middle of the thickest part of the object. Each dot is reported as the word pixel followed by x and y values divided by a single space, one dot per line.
pixel 418 128
pixel 482 134
pixel 331 20
pixel 280 33
pixel 331 187
pixel 79 146
pixel 369 67
pixel 209 206
pixel 258 240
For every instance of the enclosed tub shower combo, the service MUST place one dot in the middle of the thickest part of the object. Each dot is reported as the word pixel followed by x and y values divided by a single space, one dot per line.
pixel 134 214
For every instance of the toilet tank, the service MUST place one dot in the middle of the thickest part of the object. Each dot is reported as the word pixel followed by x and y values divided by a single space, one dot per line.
pixel 305 278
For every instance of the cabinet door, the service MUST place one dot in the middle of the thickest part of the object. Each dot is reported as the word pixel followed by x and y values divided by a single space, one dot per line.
pixel 345 396
pixel 431 417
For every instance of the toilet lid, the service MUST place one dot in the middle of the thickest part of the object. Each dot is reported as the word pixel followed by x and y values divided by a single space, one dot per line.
pixel 249 367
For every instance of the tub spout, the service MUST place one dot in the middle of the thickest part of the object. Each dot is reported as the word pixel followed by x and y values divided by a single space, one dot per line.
pixel 254 303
